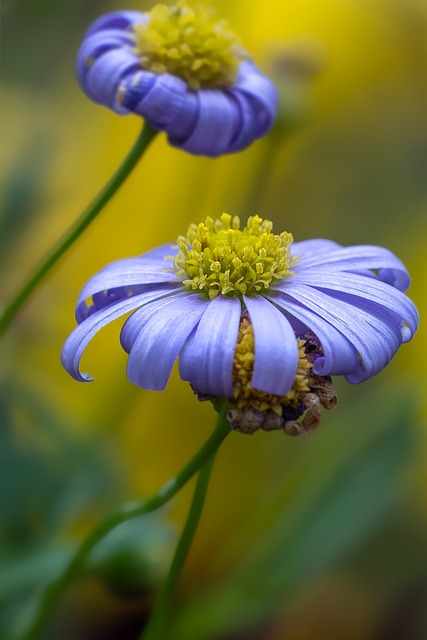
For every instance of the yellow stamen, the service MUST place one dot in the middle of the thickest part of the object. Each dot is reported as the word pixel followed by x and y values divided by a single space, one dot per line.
pixel 190 44
pixel 217 257
pixel 243 393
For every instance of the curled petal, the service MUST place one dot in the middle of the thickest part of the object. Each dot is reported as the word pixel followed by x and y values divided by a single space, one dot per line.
pixel 158 98
pixel 260 93
pixel 105 74
pixel 78 340
pixel 210 121
pixel 276 350
pixel 357 259
pixel 161 337
pixel 339 355
pixel 374 346
pixel 206 362
pixel 120 20
pixel 361 290
pixel 217 123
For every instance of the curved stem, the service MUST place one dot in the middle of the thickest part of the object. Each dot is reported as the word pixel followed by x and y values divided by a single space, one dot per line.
pixel 157 622
pixel 127 512
pixel 76 229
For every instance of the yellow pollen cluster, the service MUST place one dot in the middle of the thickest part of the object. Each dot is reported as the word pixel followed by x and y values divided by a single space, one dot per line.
pixel 247 397
pixel 217 257
pixel 190 44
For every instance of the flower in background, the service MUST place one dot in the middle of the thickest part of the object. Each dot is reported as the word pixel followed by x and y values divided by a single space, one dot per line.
pixel 183 72
pixel 252 317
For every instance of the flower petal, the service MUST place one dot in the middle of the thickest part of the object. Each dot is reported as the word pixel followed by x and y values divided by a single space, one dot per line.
pixel 209 121
pixel 123 278
pixel 161 102
pixel 218 119
pixel 95 46
pixel 313 248
pixel 78 340
pixel 362 289
pixel 120 20
pixel 358 258
pixel 339 355
pixel 106 73
pixel 276 349
pixel 261 93
pixel 206 362
pixel 161 337
pixel 374 345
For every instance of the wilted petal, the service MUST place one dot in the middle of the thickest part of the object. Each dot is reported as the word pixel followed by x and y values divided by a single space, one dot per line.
pixel 207 360
pixel 161 337
pixel 276 349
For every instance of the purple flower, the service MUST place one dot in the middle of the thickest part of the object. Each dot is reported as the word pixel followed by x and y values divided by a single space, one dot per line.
pixel 188 300
pixel 183 73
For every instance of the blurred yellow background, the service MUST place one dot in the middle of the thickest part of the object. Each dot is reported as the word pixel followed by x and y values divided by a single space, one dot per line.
pixel 318 537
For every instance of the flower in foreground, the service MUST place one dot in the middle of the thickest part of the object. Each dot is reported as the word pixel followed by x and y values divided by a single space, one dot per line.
pixel 252 317
pixel 183 72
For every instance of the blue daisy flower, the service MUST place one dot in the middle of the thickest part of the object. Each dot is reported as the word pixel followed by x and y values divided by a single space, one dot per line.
pixel 181 71
pixel 253 317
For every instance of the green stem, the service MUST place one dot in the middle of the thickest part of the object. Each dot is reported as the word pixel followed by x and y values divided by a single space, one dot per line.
pixel 159 617
pixel 127 512
pixel 71 235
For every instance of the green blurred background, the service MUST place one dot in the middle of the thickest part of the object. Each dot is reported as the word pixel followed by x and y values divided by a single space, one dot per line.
pixel 322 537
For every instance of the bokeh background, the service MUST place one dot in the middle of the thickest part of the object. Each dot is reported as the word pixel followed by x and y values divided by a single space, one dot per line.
pixel 320 537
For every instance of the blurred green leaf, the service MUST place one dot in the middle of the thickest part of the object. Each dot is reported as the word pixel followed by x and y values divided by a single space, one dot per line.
pixel 325 506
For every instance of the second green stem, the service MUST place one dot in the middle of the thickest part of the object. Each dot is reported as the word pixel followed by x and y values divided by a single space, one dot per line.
pixel 71 235
pixel 159 617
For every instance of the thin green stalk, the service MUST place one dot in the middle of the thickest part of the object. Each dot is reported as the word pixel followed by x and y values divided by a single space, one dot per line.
pixel 127 512
pixel 76 229
pixel 157 623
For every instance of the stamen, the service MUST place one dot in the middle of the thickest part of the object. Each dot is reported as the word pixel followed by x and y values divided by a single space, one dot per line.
pixel 296 413
pixel 190 44
pixel 217 257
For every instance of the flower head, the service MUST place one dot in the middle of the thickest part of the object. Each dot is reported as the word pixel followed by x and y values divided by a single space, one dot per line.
pixel 252 317
pixel 182 71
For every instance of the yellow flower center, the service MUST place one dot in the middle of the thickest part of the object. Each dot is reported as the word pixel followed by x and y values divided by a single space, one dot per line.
pixel 244 358
pixel 190 44
pixel 217 257
pixel 296 413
